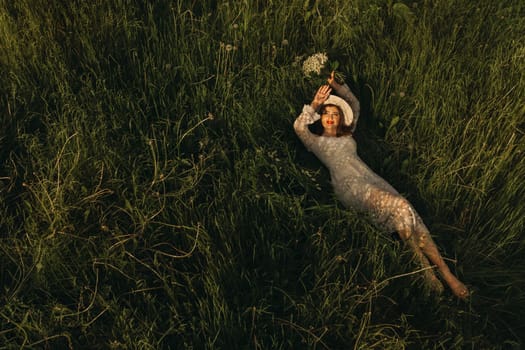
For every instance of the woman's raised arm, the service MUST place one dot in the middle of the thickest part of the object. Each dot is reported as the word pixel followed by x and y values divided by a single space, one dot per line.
pixel 344 92
pixel 309 116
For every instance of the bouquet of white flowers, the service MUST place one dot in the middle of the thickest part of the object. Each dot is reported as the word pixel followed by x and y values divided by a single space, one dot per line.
pixel 315 64
pixel 318 68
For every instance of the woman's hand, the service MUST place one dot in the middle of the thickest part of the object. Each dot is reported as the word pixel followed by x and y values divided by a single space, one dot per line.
pixel 321 96
pixel 332 82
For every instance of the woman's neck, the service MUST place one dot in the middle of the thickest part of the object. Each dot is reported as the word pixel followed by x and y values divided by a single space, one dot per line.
pixel 330 133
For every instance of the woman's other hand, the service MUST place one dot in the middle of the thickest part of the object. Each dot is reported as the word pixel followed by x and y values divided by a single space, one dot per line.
pixel 332 82
pixel 321 96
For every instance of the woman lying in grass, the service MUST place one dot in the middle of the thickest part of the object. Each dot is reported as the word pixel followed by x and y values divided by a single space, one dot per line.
pixel 358 187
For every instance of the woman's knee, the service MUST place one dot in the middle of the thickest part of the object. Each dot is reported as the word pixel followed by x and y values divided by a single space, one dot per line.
pixel 403 214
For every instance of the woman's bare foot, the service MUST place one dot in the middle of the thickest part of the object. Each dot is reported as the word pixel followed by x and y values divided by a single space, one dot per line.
pixel 458 288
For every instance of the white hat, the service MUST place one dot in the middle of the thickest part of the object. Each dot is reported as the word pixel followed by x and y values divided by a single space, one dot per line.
pixel 345 107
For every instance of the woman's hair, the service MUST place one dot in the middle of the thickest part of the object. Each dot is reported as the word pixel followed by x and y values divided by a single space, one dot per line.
pixel 342 129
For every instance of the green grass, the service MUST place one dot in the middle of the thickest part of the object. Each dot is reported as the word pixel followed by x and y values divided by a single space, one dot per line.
pixel 154 195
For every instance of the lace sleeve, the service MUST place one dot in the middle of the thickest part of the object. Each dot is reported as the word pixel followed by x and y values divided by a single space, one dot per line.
pixel 307 117
pixel 344 92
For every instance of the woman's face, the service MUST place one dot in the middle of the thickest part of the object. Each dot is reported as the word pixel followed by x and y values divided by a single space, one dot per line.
pixel 330 119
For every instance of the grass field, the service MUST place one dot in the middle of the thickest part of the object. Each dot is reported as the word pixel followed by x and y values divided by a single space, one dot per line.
pixel 153 194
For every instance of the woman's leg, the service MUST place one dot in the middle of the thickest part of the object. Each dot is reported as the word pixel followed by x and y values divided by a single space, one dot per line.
pixel 393 212
pixel 428 271
pixel 398 212
pixel 427 245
